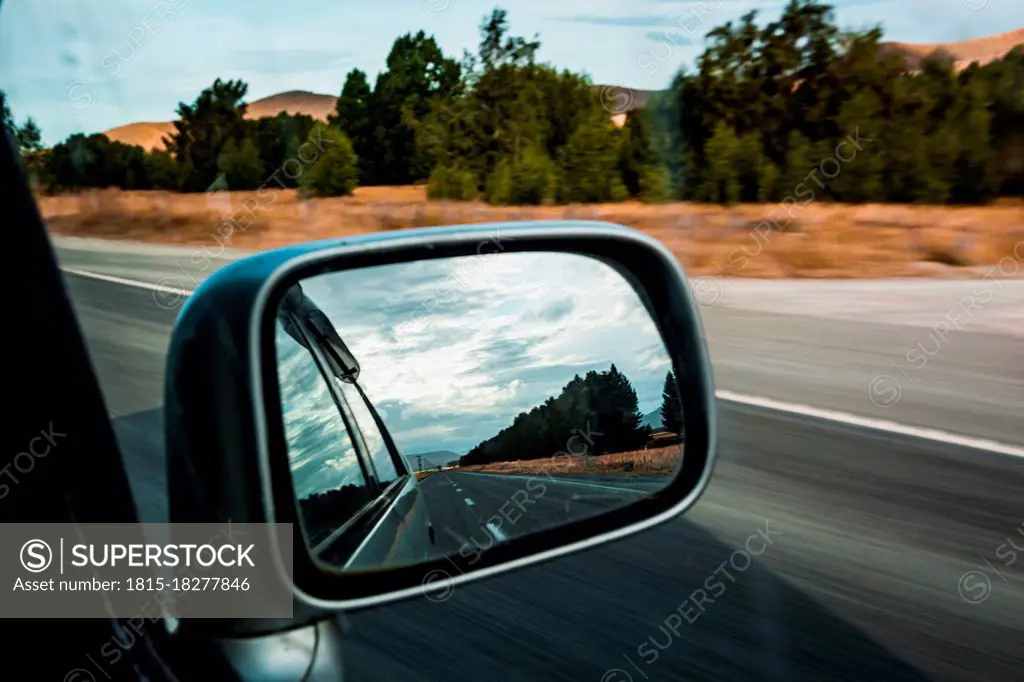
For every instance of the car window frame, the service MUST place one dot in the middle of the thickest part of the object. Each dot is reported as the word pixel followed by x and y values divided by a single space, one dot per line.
pixel 347 416
pixel 383 497
pixel 397 459
pixel 348 420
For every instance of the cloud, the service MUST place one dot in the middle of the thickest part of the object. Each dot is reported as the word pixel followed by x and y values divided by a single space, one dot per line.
pixel 556 311
pixel 672 37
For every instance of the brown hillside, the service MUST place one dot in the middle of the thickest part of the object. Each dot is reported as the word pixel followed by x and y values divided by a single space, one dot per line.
pixel 293 102
pixel 147 135
pixel 982 50
pixel 150 134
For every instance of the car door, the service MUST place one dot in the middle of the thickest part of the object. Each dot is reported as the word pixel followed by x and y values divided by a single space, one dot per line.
pixel 79 476
pixel 407 517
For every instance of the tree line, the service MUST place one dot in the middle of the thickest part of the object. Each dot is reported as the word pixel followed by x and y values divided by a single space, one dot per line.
pixel 765 114
pixel 792 108
pixel 594 415
pixel 213 146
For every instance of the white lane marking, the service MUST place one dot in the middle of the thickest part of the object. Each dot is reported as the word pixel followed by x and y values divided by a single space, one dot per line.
pixel 640 491
pixel 129 282
pixel 876 424
pixel 469 502
pixel 554 479
pixel 497 532
pixel 936 435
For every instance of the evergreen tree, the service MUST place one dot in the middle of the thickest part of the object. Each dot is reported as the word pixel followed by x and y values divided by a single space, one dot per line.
pixel 602 403
pixel 30 144
pixel 721 181
pixel 29 138
pixel 656 184
pixel 452 182
pixel 636 156
pixel 6 116
pixel 204 127
pixel 530 180
pixel 588 163
pixel 859 176
pixel 417 73
pixel 671 406
pixel 755 174
pixel 164 171
pixel 354 113
pixel 799 162
pixel 336 171
pixel 95 161
pixel 240 163
pixel 975 177
pixel 283 139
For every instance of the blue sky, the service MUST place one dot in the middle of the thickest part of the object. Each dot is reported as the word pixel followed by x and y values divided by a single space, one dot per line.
pixel 452 350
pixel 88 66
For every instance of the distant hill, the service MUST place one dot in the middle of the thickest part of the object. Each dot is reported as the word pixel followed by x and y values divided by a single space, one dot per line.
pixel 653 419
pixel 982 50
pixel 437 458
pixel 293 102
pixel 149 135
pixel 619 100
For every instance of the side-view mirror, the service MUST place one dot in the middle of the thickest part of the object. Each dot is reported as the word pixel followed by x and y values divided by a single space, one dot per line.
pixel 431 407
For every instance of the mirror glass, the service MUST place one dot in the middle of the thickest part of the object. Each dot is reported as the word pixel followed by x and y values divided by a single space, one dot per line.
pixel 445 406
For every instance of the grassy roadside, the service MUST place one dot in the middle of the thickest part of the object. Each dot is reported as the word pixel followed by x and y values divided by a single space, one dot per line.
pixel 652 462
pixel 818 241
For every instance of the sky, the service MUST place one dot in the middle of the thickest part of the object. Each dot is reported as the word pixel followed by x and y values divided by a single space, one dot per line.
pixel 451 350
pixel 87 66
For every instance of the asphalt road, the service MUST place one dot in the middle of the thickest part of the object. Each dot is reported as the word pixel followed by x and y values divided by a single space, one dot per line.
pixel 473 511
pixel 821 550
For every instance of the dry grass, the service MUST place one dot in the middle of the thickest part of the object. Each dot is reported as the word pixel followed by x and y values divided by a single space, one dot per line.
pixel 818 240
pixel 652 462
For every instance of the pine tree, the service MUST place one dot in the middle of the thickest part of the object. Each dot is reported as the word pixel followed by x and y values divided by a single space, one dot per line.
pixel 671 406
pixel 859 176
pixel 721 183
pixel 353 113
pixel 240 164
pixel 336 171
pixel 636 156
pixel 588 163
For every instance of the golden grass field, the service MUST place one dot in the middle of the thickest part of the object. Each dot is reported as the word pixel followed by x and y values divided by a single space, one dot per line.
pixel 817 240
pixel 651 462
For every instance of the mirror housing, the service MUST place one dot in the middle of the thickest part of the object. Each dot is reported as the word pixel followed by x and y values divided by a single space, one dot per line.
pixel 221 445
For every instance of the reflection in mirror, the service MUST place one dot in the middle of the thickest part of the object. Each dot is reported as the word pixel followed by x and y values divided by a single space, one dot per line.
pixel 441 407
